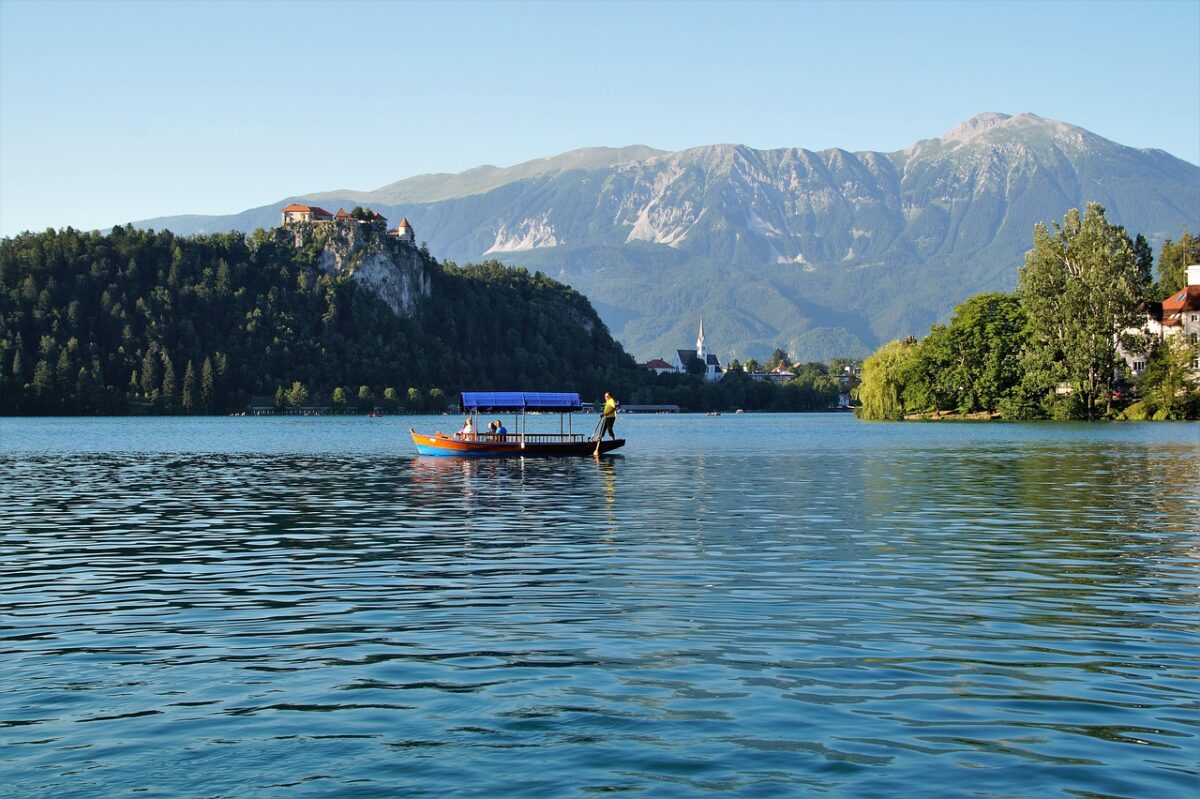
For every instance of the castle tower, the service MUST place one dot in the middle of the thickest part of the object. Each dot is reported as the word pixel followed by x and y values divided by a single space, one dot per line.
pixel 405 232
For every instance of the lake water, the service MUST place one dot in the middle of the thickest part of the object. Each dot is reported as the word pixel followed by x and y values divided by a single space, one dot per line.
pixel 752 605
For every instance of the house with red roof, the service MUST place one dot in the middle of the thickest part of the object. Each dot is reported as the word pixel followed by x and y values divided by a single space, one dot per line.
pixel 658 366
pixel 1177 315
pixel 296 212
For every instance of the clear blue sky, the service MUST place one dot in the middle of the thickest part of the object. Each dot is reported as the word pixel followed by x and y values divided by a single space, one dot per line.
pixel 116 111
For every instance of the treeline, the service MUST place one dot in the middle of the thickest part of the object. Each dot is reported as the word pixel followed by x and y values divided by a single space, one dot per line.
pixel 148 322
pixel 1051 350
pixel 816 387
pixel 144 322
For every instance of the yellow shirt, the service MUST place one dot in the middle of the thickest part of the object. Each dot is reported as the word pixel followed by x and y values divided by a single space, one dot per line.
pixel 610 407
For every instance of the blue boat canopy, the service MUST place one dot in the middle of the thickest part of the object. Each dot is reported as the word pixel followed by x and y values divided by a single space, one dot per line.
pixel 520 401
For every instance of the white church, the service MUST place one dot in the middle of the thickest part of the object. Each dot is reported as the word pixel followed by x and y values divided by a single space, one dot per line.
pixel 712 365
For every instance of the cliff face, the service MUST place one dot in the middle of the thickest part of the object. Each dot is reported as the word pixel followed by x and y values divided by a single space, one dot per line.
pixel 396 271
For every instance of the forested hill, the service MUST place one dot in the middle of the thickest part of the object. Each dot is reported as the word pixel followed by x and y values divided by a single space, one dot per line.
pixel 140 321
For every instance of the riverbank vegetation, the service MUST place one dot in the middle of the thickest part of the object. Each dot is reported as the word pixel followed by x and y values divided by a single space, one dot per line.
pixel 1051 349
pixel 144 322
pixel 148 322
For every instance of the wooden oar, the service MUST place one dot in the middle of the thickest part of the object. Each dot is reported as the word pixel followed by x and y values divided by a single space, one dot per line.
pixel 596 430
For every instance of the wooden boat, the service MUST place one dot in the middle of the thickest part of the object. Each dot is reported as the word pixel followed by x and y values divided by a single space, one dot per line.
pixel 478 444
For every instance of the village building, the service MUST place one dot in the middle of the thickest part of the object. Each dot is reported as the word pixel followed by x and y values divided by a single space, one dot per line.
pixel 658 366
pixel 1178 315
pixel 712 365
pixel 781 374
pixel 297 212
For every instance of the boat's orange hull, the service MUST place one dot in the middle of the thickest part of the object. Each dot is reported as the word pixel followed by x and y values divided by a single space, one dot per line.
pixel 442 444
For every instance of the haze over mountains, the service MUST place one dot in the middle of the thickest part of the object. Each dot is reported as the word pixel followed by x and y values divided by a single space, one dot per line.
pixel 822 253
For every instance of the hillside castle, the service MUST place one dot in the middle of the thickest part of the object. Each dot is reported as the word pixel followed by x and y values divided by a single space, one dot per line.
pixel 297 212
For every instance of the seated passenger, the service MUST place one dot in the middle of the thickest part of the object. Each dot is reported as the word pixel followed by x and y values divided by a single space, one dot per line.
pixel 501 430
pixel 467 431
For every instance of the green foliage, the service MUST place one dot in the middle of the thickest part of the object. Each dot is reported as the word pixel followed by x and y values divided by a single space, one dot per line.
pixel 970 366
pixel 1138 412
pixel 1166 391
pixel 883 379
pixel 1080 287
pixel 778 358
pixel 1173 260
pixel 1050 351
pixel 1143 258
pixel 984 343
pixel 256 314
pixel 297 395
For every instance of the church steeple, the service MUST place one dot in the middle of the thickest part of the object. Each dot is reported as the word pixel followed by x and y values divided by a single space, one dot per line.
pixel 700 342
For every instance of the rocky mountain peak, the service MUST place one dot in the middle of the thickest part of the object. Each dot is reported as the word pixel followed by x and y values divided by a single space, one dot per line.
pixel 980 123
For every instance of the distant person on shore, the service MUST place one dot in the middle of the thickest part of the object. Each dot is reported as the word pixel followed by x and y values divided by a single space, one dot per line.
pixel 609 417
pixel 501 430
pixel 466 429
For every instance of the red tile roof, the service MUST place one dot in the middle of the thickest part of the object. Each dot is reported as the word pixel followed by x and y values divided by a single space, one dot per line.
pixel 1186 299
pixel 320 213
pixel 403 223
pixel 657 363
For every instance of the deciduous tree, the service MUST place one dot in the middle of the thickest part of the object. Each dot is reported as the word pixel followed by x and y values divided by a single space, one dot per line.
pixel 881 390
pixel 297 395
pixel 1080 287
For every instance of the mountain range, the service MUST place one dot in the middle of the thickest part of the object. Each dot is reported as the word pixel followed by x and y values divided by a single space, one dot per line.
pixel 823 253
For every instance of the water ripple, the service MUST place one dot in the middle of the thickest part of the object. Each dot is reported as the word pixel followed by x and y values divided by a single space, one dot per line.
pixel 880 610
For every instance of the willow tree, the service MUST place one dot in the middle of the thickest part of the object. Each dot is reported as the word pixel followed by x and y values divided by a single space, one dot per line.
pixel 881 391
pixel 1080 288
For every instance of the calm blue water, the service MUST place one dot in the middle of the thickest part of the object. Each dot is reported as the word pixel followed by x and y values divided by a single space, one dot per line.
pixel 755 605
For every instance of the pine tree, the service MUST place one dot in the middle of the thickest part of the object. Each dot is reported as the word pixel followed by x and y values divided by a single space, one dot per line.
pixel 207 385
pixel 43 379
pixel 1173 261
pixel 188 402
pixel 151 376
pixel 1143 256
pixel 169 385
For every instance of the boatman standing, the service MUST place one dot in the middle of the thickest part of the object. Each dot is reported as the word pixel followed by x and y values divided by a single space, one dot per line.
pixel 609 415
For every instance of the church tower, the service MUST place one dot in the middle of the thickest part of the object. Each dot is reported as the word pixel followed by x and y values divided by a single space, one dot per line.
pixel 700 353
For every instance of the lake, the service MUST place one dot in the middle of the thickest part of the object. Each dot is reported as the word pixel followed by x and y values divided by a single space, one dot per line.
pixel 752 605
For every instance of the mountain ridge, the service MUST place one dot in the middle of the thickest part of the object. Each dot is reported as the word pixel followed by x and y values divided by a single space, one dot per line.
pixel 824 253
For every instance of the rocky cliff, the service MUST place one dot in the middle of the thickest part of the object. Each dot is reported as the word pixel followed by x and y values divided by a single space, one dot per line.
pixel 396 271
